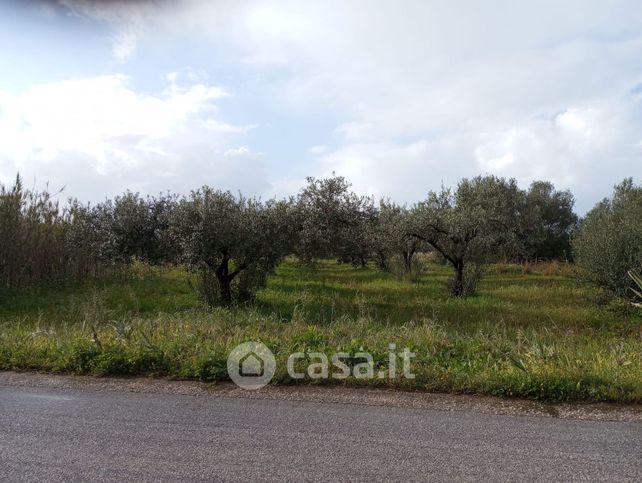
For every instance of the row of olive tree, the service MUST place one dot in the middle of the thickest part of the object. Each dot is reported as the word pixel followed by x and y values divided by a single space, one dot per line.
pixel 483 219
pixel 232 243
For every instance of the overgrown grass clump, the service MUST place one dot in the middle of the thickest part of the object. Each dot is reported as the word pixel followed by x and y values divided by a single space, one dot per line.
pixel 536 334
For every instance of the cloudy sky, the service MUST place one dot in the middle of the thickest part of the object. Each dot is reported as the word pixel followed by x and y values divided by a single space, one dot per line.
pixel 398 96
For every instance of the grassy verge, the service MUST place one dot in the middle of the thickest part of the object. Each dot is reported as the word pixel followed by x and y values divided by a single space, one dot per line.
pixel 531 335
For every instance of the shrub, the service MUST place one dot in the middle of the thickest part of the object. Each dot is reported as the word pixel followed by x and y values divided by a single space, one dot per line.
pixel 609 242
pixel 232 243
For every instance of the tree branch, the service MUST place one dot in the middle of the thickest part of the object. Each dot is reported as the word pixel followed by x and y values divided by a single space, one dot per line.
pixel 238 270
pixel 433 244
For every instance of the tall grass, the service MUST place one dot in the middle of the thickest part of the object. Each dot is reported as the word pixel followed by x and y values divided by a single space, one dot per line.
pixel 528 335
pixel 40 241
pixel 637 292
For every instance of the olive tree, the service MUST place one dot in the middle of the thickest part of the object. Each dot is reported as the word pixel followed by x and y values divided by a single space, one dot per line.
pixel 231 241
pixel 392 235
pixel 608 244
pixel 468 226
pixel 546 222
pixel 136 227
pixel 333 221
pixel 89 234
pixel 117 230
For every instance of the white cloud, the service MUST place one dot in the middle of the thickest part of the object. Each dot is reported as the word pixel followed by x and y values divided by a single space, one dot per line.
pixel 129 18
pixel 402 171
pixel 318 149
pixel 99 136
pixel 285 187
pixel 434 92
pixel 124 45
pixel 237 152
pixel 430 91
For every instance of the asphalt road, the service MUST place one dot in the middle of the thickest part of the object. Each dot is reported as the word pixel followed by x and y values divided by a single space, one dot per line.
pixel 69 434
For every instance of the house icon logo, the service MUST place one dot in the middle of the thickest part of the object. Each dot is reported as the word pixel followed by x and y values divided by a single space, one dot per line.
pixel 251 365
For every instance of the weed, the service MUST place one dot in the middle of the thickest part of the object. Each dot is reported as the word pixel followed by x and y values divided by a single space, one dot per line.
pixel 531 335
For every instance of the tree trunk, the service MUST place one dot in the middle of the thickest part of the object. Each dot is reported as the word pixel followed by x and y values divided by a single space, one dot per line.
pixel 225 290
pixel 458 284
pixel 407 262
pixel 224 280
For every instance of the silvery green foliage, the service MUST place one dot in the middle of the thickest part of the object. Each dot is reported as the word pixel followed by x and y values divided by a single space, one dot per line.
pixel 89 235
pixel 546 223
pixel 333 221
pixel 609 242
pixel 233 242
pixel 392 236
pixel 473 224
pixel 127 227
pixel 139 227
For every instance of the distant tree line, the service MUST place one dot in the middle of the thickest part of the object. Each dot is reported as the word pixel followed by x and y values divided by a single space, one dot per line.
pixel 232 243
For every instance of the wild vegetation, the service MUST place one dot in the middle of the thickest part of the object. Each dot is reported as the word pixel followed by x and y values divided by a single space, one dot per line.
pixel 637 290
pixel 609 241
pixel 535 335
pixel 479 281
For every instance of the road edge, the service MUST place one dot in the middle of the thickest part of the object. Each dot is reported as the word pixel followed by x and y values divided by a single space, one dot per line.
pixel 366 396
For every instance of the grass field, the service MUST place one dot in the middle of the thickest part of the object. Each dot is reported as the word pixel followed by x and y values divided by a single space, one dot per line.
pixel 533 335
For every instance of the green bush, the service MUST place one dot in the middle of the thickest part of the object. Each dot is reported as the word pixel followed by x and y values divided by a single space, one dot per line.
pixel 609 242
